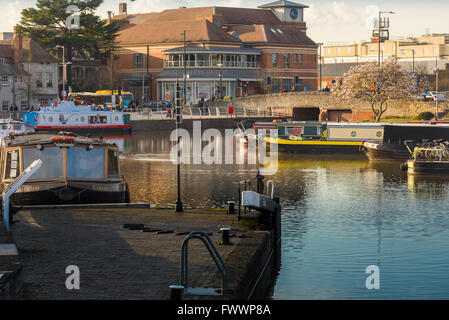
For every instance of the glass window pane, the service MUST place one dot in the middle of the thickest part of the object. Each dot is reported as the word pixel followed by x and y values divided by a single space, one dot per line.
pixel 12 164
pixel 82 163
pixel 113 164
pixel 51 162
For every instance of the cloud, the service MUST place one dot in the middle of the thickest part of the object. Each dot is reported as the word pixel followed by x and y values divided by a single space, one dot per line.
pixel 11 13
pixel 336 13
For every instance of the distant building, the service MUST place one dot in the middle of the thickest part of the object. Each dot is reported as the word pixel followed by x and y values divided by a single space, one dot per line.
pixel 38 79
pixel 11 80
pixel 422 53
pixel 247 51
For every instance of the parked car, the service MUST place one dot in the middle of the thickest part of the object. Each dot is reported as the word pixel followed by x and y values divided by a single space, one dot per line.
pixel 441 97
pixel 420 97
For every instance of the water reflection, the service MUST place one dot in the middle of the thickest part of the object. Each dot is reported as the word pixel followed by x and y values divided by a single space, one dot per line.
pixel 340 215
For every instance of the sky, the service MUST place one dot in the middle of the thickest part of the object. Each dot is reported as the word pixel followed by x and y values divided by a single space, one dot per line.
pixel 328 21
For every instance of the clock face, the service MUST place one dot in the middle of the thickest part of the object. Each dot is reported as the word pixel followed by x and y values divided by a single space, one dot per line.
pixel 293 14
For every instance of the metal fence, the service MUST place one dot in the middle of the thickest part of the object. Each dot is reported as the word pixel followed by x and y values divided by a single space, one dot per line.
pixel 10 114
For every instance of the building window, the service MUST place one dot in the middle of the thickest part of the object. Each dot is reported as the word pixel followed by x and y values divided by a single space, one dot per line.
pixel 5 105
pixel 403 52
pixel 49 81
pixel 43 101
pixel 301 58
pixel 23 104
pixel 2 60
pixel 286 85
pixel 5 81
pixel 371 48
pixel 296 58
pixel 298 84
pixel 435 51
pixel 275 86
pixel 338 50
pixel 329 51
pixel 138 61
pixel 349 50
pixel 286 60
pixel 38 79
pixel 18 79
pixel 426 51
pixel 275 59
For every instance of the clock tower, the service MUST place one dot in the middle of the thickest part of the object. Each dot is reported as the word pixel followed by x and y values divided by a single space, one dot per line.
pixel 287 11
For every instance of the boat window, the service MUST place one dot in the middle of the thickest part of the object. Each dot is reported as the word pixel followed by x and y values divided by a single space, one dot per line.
pixel 297 131
pixel 282 131
pixel 310 131
pixel 51 162
pixel 85 164
pixel 98 119
pixel 17 127
pixel 12 164
pixel 113 164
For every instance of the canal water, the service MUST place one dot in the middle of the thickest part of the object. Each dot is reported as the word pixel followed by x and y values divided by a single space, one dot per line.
pixel 339 216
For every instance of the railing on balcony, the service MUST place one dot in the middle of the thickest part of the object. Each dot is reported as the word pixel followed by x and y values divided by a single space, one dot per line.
pixel 207 63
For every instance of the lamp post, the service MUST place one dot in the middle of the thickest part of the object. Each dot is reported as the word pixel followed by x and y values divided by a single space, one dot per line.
pixel 63 68
pixel 179 207
pixel 220 75
pixel 436 87
pixel 185 67
pixel 320 44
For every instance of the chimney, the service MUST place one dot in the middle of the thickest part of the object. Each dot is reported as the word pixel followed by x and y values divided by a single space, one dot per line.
pixel 110 16
pixel 18 47
pixel 123 8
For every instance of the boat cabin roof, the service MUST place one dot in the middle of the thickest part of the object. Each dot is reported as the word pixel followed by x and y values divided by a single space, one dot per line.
pixel 34 138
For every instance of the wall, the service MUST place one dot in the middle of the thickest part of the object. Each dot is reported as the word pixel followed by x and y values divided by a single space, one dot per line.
pixel 281 101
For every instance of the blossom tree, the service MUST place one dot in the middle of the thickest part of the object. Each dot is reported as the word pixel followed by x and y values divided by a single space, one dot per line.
pixel 376 85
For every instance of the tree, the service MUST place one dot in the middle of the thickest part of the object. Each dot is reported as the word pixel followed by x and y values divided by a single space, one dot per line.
pixel 375 85
pixel 47 24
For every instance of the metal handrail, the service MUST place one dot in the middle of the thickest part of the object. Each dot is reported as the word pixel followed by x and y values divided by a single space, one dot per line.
pixel 212 251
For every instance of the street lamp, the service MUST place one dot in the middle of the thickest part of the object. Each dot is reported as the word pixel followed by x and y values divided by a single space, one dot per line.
pixel 413 59
pixel 220 75
pixel 185 67
pixel 63 68
pixel 436 87
pixel 320 44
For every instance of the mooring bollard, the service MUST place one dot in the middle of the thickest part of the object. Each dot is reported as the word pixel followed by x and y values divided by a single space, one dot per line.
pixel 231 207
pixel 225 232
pixel 176 292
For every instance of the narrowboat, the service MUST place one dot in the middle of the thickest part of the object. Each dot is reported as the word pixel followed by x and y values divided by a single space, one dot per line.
pixel 67 116
pixel 75 169
pixel 398 137
pixel 320 137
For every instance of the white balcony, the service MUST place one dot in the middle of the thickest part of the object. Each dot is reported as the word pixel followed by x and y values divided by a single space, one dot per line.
pixel 211 64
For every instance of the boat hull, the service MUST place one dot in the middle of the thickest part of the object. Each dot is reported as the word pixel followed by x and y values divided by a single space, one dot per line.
pixel 428 167
pixel 77 193
pixel 319 146
pixel 386 152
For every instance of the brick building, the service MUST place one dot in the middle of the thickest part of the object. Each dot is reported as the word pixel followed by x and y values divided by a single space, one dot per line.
pixel 225 52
